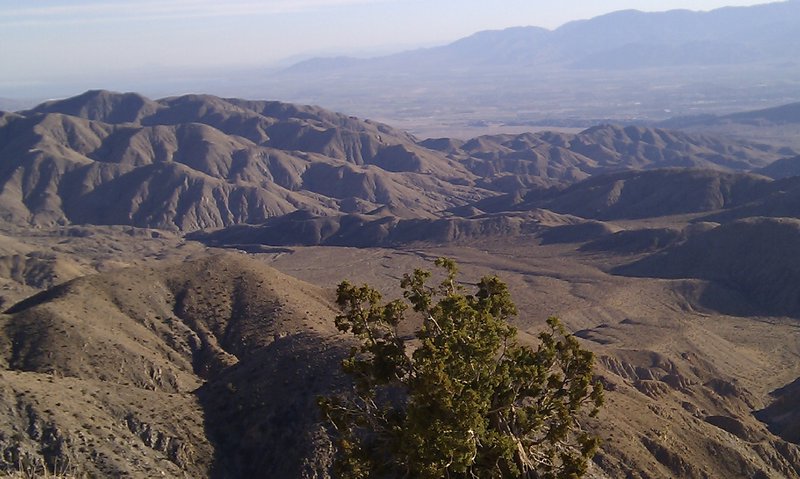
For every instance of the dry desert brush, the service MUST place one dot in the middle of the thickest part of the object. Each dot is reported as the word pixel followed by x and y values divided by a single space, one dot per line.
pixel 466 400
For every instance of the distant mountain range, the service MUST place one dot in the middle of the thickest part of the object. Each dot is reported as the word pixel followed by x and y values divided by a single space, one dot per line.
pixel 629 66
pixel 779 115
pixel 201 162
pixel 627 39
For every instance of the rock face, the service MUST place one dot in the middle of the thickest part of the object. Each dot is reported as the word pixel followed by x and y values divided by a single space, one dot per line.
pixel 207 368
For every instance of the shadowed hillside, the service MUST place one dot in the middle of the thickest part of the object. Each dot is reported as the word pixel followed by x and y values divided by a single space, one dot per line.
pixel 757 257
pixel 783 168
pixel 637 194
pixel 236 352
pixel 781 200
pixel 375 231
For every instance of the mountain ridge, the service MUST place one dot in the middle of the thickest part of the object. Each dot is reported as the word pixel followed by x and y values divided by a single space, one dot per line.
pixel 201 162
pixel 574 43
pixel 255 166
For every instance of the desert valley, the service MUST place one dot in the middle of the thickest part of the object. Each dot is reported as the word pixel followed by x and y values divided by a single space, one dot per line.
pixel 169 266
pixel 168 270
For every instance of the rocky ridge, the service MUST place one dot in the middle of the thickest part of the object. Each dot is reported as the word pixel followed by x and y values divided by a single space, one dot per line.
pixel 200 162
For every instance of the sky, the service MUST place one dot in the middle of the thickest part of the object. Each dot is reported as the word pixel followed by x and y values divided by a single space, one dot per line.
pixel 45 42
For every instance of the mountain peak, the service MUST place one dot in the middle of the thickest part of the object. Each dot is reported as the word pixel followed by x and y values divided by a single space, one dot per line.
pixel 102 105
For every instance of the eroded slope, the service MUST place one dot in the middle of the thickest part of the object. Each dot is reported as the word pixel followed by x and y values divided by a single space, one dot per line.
pixel 199 369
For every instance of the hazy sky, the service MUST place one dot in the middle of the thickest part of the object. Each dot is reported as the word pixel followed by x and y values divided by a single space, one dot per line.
pixel 45 40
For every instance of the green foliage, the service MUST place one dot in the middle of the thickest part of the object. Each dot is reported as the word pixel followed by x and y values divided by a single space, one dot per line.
pixel 465 400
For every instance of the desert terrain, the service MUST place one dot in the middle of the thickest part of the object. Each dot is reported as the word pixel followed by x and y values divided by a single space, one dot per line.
pixel 168 267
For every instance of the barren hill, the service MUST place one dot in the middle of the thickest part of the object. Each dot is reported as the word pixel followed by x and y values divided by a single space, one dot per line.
pixel 781 201
pixel 783 168
pixel 195 369
pixel 269 124
pixel 104 106
pixel 563 157
pixel 757 257
pixel 643 194
pixel 200 162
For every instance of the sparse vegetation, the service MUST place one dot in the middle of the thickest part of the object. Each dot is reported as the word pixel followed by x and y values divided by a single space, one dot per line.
pixel 470 401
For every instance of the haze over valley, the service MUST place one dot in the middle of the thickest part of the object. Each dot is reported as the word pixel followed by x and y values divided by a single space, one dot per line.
pixel 627 66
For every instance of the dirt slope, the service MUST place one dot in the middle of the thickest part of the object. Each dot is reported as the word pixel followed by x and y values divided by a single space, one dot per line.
pixel 758 257
pixel 189 370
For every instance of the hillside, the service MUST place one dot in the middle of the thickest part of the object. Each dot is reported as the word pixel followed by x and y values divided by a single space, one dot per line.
pixel 195 369
pixel 560 157
pixel 757 257
pixel 781 201
pixel 106 158
pixel 637 194
pixel 783 168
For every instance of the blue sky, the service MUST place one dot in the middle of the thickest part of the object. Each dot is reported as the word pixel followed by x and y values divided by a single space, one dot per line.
pixel 46 40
